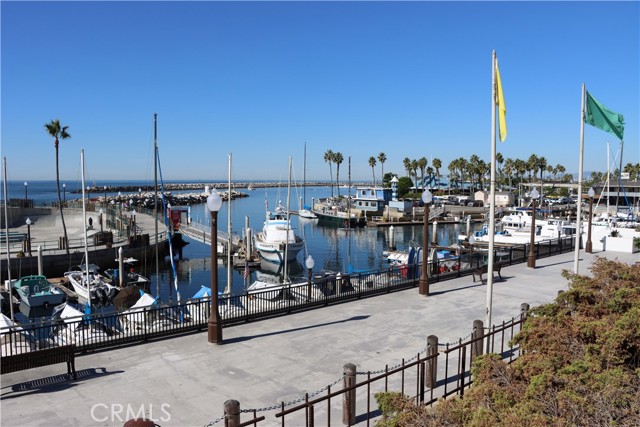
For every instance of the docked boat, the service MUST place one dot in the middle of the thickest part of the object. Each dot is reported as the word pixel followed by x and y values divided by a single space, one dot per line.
pixel 277 239
pixel 266 282
pixel 90 285
pixel 129 277
pixel 69 327
pixel 14 343
pixel 332 211
pixel 277 243
pixel 36 291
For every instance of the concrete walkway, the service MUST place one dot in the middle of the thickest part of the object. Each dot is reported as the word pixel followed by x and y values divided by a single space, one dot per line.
pixel 185 381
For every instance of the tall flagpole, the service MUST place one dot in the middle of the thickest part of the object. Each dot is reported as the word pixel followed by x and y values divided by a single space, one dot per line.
pixel 229 237
pixel 492 213
pixel 576 258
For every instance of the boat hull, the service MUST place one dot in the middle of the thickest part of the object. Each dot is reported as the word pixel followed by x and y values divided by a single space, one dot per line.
pixel 275 252
pixel 338 220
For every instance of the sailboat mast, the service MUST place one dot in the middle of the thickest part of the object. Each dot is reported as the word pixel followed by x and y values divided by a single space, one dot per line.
pixel 349 198
pixel 304 176
pixel 286 245
pixel 155 197
pixel 229 242
pixel 86 242
pixel 6 236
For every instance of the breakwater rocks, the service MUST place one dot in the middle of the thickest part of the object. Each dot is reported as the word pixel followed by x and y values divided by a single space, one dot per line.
pixel 146 199
pixel 96 189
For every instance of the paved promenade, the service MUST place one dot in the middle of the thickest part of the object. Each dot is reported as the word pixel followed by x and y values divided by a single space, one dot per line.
pixel 185 381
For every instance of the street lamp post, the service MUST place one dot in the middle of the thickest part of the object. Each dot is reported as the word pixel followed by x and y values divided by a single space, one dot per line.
pixel 64 189
pixel 531 260
pixel 214 324
pixel 133 214
pixel 423 284
pixel 88 194
pixel 105 193
pixel 26 193
pixel 589 246
pixel 101 212
pixel 29 236
pixel 309 262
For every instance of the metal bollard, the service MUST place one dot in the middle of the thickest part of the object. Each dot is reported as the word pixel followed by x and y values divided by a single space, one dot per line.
pixel 349 397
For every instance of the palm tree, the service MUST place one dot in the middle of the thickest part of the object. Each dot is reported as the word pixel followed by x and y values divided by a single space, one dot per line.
pixel 59 132
pixel 453 175
pixel 422 165
pixel 437 164
pixel 338 159
pixel 532 166
pixel 372 163
pixel 521 168
pixel 382 158
pixel 407 166
pixel 414 169
pixel 509 167
pixel 473 170
pixel 499 162
pixel 328 157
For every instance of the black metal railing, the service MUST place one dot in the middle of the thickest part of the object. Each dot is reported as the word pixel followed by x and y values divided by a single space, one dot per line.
pixel 138 325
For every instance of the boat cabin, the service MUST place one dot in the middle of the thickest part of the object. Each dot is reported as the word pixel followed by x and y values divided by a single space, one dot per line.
pixel 372 200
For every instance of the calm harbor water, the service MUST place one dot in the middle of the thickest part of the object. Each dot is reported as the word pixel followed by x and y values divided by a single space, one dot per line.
pixel 332 248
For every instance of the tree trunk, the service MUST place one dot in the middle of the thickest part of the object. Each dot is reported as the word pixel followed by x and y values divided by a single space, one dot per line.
pixel 64 225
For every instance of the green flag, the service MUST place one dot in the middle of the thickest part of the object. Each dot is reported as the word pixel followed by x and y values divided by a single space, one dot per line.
pixel 599 116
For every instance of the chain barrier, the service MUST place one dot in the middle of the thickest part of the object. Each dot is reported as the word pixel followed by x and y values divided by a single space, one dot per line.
pixel 399 365
pixel 460 340
pixel 217 420
pixel 292 402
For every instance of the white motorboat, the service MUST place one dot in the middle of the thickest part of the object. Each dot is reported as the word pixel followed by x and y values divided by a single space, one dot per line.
pixel 277 238
pixel 90 285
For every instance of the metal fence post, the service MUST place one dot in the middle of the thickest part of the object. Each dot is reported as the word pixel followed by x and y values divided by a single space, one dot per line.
pixel 431 371
pixel 349 397
pixel 477 336
pixel 232 413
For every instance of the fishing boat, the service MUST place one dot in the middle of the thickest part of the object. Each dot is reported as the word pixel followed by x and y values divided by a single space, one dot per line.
pixel 277 243
pixel 129 275
pixel 336 211
pixel 90 285
pixel 36 292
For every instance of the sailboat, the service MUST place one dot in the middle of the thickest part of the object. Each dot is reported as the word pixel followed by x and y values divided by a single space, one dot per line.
pixel 304 211
pixel 88 284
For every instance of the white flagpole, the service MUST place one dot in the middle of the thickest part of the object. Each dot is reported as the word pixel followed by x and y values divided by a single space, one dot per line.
pixel 576 258
pixel 229 241
pixel 492 213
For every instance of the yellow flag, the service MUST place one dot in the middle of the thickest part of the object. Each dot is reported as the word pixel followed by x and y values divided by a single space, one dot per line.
pixel 502 108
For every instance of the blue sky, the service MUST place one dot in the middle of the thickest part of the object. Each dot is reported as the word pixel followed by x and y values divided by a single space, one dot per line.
pixel 259 79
